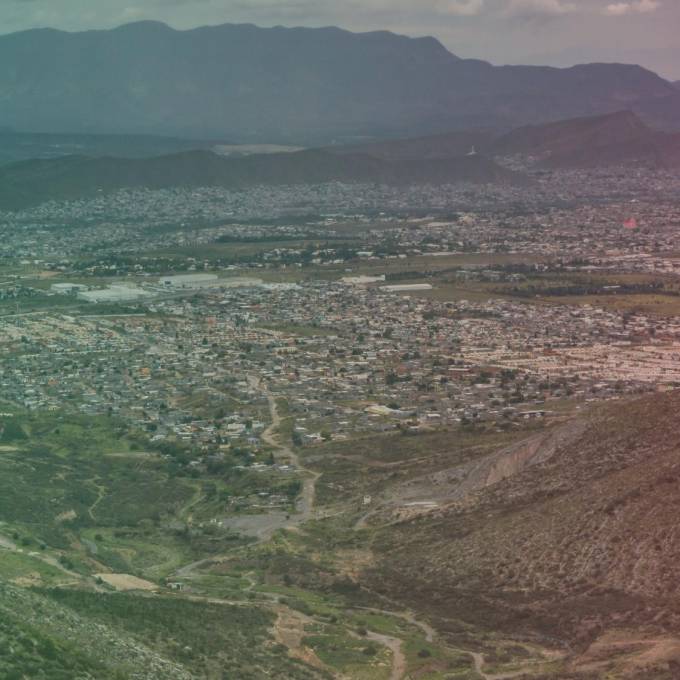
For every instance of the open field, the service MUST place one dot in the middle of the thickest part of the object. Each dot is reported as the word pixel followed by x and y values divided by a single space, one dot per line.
pixel 236 251
pixel 662 298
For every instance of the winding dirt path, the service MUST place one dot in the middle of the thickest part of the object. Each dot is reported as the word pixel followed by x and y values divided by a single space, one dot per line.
pixel 399 664
pixel 480 662
pixel 431 636
pixel 101 493
pixel 408 616
pixel 305 503
pixel 11 546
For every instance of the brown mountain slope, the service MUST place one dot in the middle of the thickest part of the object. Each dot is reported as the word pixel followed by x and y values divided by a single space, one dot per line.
pixel 575 550
pixel 657 151
pixel 618 138
pixel 566 135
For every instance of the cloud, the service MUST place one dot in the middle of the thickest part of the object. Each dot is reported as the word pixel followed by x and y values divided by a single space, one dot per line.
pixel 464 8
pixel 530 8
pixel 618 9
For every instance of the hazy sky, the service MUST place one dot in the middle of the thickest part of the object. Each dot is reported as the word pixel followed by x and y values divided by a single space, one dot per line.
pixel 502 31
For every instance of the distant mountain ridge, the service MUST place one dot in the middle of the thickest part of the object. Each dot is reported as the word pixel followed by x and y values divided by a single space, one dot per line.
pixel 308 86
pixel 476 156
pixel 446 145
pixel 18 146
pixel 30 183
pixel 615 139
pixel 619 138
pixel 562 136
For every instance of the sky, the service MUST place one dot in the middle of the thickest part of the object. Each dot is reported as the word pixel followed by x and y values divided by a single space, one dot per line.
pixel 555 32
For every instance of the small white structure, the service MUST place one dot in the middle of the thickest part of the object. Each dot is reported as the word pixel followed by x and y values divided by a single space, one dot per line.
pixel 406 287
pixel 67 288
pixel 114 293
pixel 362 280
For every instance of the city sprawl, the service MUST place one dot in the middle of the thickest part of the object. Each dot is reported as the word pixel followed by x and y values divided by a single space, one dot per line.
pixel 247 399
pixel 382 316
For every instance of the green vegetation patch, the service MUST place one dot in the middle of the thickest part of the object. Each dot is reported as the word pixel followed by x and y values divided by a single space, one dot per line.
pixel 27 570
pixel 214 640
pixel 356 657
pixel 26 652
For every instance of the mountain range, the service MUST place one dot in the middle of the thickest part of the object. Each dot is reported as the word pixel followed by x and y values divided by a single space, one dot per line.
pixel 618 139
pixel 298 85
pixel 29 183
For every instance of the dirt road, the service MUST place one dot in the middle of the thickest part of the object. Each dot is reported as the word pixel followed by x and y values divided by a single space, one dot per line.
pixel 263 526
pixel 394 645
pixel 431 636
pixel 305 504
pixel 408 616
pixel 11 546
pixel 480 663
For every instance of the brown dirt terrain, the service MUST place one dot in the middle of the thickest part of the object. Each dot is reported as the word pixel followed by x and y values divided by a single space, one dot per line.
pixel 289 630
pixel 578 546
pixel 126 582
pixel 629 652
pixel 396 469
